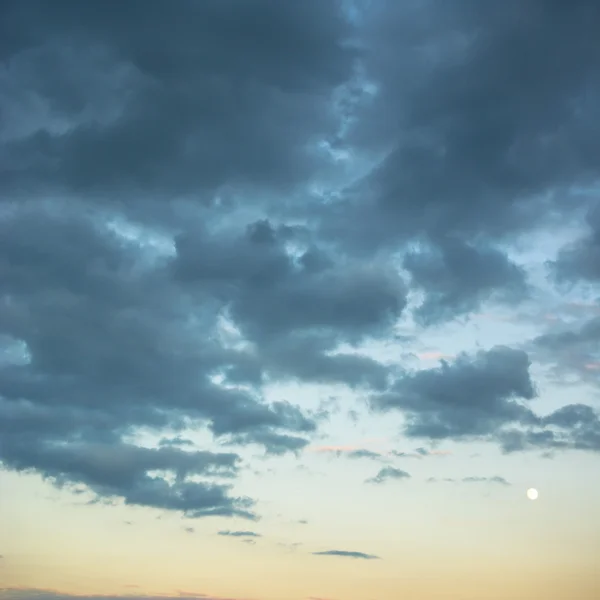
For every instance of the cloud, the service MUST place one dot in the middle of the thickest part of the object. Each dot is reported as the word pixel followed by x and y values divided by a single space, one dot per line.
pixel 352 452
pixel 466 168
pixel 335 449
pixel 90 316
pixel 23 593
pixel 228 533
pixel 571 349
pixel 363 453
pixel 387 474
pixel 580 261
pixel 293 313
pixel 145 292
pixel 571 427
pixel 472 397
pixel 158 136
pixel 346 554
pixel 494 479
pixel 420 453
pixel 457 278
pixel 112 470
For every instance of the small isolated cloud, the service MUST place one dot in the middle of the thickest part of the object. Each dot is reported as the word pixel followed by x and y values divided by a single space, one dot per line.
pixel 347 554
pixel 388 473
pixel 495 479
pixel 248 534
pixel 189 530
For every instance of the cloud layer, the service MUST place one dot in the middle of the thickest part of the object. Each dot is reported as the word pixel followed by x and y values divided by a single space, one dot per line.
pixel 258 196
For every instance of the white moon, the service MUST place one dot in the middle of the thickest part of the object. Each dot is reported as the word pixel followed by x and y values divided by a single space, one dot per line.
pixel 532 494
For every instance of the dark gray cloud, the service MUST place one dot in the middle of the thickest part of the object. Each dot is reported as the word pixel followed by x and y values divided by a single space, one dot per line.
pixel 346 554
pixel 457 278
pixel 572 350
pixel 101 341
pixel 480 145
pixel 580 261
pixel 571 427
pixel 228 533
pixel 388 474
pixel 117 109
pixel 295 313
pixel 473 396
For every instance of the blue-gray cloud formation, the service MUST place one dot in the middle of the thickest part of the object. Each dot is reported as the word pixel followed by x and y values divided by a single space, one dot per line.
pixel 387 474
pixel 259 194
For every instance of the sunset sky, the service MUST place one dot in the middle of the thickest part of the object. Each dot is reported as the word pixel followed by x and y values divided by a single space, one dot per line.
pixel 298 299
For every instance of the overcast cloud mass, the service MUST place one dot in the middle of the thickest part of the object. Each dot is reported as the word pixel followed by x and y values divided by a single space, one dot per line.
pixel 208 204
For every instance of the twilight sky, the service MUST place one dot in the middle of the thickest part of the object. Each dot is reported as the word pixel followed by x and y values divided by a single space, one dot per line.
pixel 298 298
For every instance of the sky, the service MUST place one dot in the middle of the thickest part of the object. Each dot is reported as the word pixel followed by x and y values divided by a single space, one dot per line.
pixel 298 299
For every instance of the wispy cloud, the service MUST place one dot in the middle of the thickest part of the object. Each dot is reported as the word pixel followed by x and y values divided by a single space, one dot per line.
pixel 353 452
pixel 24 593
pixel 347 554
pixel 228 533
pixel 495 479
pixel 334 449
pixel 420 453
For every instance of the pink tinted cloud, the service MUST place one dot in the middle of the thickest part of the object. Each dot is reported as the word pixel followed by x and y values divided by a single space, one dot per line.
pixel 434 355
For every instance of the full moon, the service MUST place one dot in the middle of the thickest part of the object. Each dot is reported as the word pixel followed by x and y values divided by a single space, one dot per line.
pixel 532 494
